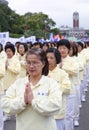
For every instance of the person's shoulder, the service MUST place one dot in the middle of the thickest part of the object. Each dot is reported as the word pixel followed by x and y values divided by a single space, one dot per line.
pixel 49 79
pixel 60 71
pixel 20 80
pixel 15 58
pixel 72 59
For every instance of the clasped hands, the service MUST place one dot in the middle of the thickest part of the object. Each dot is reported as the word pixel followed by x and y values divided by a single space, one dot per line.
pixel 28 95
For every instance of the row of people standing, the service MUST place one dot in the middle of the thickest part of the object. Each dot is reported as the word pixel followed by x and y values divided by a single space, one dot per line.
pixel 12 66
pixel 75 62
pixel 71 68
pixel 36 98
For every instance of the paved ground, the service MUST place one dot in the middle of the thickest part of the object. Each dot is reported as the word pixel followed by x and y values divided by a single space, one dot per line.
pixel 84 114
pixel 84 117
pixel 10 125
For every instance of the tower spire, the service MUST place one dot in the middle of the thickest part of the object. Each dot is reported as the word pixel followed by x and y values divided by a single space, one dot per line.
pixel 76 20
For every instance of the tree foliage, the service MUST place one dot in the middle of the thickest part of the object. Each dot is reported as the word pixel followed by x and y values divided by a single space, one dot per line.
pixel 10 21
pixel 37 24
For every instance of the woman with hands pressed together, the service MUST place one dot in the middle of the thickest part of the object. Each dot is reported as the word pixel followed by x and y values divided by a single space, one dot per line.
pixel 54 58
pixel 36 98
pixel 70 65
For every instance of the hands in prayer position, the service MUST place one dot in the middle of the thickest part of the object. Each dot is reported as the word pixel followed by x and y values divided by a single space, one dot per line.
pixel 28 95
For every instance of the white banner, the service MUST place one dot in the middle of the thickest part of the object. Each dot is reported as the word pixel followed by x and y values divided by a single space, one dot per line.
pixel 31 39
pixel 4 37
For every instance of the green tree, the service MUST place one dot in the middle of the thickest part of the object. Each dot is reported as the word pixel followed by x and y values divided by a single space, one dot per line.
pixel 55 31
pixel 38 24
pixel 10 21
pixel 3 18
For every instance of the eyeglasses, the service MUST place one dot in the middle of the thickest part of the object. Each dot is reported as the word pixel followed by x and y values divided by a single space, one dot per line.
pixel 35 63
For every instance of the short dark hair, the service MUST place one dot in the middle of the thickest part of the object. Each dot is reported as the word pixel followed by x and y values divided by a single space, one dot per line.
pixel 39 52
pixel 37 43
pixel 81 44
pixel 56 54
pixel 10 46
pixel 45 43
pixel 64 42
pixel 24 45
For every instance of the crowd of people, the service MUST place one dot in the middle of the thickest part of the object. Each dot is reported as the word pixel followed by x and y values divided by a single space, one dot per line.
pixel 43 84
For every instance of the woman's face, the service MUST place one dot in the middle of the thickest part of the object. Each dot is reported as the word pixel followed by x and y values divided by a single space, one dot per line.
pixel 21 49
pixel 45 47
pixel 34 65
pixel 63 51
pixel 9 53
pixel 79 48
pixel 51 60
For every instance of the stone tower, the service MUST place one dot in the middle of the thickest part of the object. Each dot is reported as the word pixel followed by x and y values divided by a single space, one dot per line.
pixel 76 20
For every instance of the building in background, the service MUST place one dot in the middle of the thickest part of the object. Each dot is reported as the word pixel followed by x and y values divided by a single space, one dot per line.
pixel 76 30
pixel 76 20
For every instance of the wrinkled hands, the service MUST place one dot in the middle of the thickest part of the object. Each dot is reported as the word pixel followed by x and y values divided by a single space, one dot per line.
pixel 28 95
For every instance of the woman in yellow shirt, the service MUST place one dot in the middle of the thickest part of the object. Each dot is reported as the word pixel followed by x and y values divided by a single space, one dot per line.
pixel 22 50
pixel 36 98
pixel 2 53
pixel 72 68
pixel 54 58
pixel 85 55
pixel 12 66
pixel 12 69
pixel 2 74
pixel 82 72
pixel 74 54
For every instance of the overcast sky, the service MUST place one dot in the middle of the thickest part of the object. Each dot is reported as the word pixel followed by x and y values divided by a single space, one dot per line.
pixel 61 11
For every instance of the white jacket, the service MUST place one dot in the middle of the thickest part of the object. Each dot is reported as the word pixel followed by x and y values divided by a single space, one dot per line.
pixel 46 103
